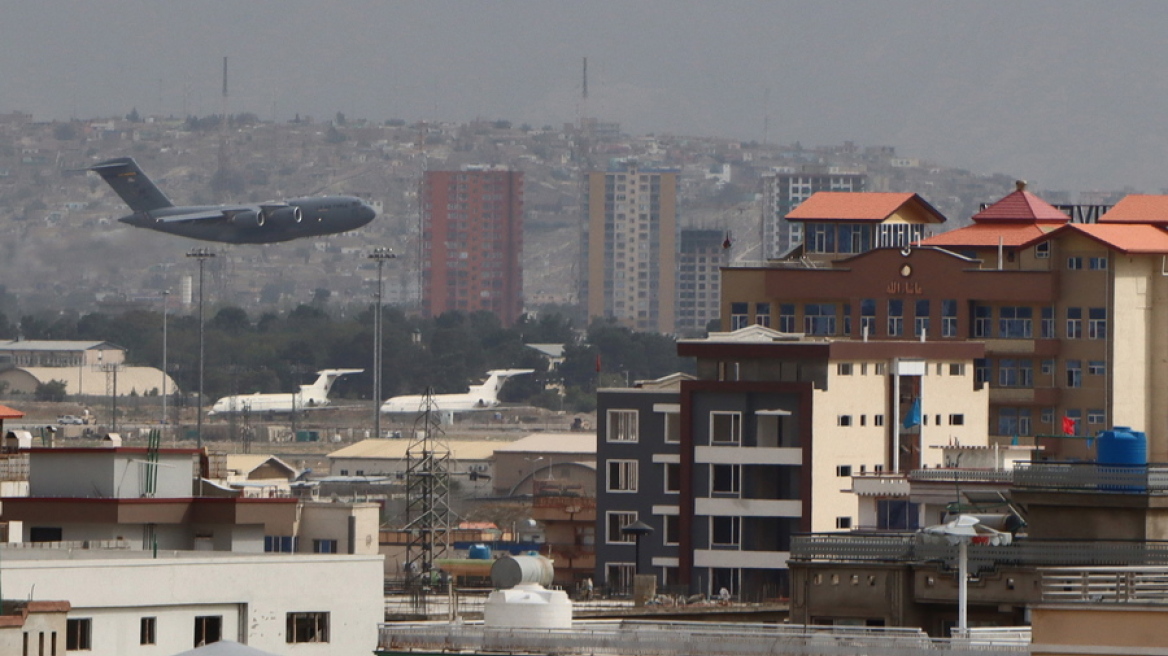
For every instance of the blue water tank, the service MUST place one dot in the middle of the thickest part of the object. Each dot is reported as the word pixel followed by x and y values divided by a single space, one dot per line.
pixel 1122 446
pixel 478 552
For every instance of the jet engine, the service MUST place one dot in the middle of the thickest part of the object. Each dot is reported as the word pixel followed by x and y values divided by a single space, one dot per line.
pixel 249 218
pixel 285 216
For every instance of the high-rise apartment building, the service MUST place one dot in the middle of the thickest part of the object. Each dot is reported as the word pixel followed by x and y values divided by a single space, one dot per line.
pixel 785 189
pixel 699 261
pixel 630 246
pixel 472 240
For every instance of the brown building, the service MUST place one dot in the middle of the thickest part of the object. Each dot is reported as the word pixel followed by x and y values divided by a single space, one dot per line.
pixel 1073 316
pixel 472 237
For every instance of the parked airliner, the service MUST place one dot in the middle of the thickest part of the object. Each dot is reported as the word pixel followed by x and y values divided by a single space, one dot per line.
pixel 480 397
pixel 309 397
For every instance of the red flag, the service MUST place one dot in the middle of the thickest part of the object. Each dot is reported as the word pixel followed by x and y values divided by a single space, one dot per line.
pixel 597 363
pixel 1068 426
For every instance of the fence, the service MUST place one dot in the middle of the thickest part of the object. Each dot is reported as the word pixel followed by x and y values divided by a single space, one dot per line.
pixel 1105 585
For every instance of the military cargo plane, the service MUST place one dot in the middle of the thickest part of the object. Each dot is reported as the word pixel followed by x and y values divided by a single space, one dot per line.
pixel 261 223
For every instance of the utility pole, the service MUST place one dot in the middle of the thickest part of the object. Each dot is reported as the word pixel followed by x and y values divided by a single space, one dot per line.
pixel 202 255
pixel 380 255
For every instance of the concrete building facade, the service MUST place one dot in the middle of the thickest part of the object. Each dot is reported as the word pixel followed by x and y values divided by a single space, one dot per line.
pixel 629 246
pixel 786 189
pixel 472 241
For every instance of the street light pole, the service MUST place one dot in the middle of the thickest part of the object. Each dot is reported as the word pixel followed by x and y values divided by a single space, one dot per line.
pixel 165 310
pixel 202 255
pixel 380 255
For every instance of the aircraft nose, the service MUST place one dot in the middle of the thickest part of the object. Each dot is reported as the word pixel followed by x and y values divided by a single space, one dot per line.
pixel 367 214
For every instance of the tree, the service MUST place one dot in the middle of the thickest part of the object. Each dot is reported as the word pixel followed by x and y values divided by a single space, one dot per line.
pixel 53 390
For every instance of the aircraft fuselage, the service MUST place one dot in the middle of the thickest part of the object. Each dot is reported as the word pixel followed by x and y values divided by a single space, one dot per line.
pixel 242 224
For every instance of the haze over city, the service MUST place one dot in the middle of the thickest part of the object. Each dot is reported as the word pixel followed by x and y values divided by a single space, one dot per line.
pixel 1065 94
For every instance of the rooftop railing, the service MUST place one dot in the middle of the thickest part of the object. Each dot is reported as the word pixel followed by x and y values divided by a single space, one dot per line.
pixel 1092 477
pixel 853 548
pixel 672 638
pixel 1105 585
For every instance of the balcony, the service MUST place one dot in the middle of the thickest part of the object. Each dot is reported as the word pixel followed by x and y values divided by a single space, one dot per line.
pixel 1093 585
pixel 1091 477
pixel 1041 348
pixel 1043 396
pixel 880 485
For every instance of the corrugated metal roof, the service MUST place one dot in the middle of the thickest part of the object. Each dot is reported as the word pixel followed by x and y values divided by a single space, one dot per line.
pixel 1022 205
pixel 574 443
pixel 54 345
pixel 141 380
pixel 396 449
pixel 858 206
pixel 1138 208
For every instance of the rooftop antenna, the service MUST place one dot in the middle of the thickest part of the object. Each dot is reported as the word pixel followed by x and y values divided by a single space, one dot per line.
pixel 222 174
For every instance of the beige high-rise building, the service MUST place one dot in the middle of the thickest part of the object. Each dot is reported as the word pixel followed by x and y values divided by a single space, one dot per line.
pixel 629 248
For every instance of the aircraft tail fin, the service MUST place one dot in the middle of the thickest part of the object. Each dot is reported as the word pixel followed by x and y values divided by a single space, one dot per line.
pixel 125 177
pixel 326 378
pixel 489 390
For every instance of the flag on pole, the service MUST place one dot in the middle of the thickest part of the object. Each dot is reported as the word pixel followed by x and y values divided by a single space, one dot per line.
pixel 1068 426
pixel 913 418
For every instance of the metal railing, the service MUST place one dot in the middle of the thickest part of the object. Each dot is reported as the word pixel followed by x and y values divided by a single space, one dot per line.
pixel 1027 553
pixel 1105 585
pixel 1138 479
pixel 946 475
pixel 680 639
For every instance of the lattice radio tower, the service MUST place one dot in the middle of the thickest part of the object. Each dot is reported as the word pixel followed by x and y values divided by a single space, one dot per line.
pixel 427 490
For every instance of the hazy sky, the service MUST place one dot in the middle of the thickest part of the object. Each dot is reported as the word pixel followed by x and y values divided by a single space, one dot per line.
pixel 1067 94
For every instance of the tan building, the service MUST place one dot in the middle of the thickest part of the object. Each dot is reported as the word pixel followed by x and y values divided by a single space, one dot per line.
pixel 1073 316
pixel 545 462
pixel 629 249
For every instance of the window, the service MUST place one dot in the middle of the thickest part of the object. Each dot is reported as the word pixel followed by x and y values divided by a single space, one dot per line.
pixel 148 631
pixel 672 428
pixel 619 576
pixel 1076 416
pixel 1015 322
pixel 1097 323
pixel 921 319
pixel 1096 367
pixel 819 318
pixel 622 425
pixel 1015 373
pixel 622 475
pixel 725 531
pixel 1048 323
pixel 844 420
pixel 1074 263
pixel 983 321
pixel 618 519
pixel 308 627
pixel 957 420
pixel 843 470
pixel 981 370
pixel 895 317
pixel 1097 263
pixel 739 315
pixel 1047 416
pixel 324 546
pixel 1074 323
pixel 79 634
pixel 762 314
pixel 847 319
pixel 1074 373
pixel 208 629
pixel 787 317
pixel 1042 251
pixel 844 368
pixel 948 318
pixel 725 427
pixel 820 238
pixel 843 522
pixel 672 531
pixel 672 477
pixel 868 317
pixel 877 420
pixel 280 543
pixel 956 368
pixel 1013 421
pixel 725 479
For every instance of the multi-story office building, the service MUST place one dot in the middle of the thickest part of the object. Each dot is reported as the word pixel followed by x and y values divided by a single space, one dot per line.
pixel 762 445
pixel 472 240
pixel 699 277
pixel 630 247
pixel 784 190
pixel 1072 315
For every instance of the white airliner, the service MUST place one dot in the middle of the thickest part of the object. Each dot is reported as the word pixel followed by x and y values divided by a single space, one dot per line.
pixel 479 397
pixel 309 397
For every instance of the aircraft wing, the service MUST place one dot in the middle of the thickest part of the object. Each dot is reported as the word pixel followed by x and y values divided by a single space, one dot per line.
pixel 208 215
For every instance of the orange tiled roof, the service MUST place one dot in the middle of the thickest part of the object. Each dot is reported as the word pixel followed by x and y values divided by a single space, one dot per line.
pixel 987 236
pixel 1125 237
pixel 1138 208
pixel 9 413
pixel 857 206
pixel 1022 205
